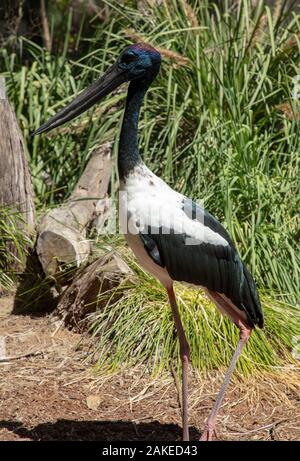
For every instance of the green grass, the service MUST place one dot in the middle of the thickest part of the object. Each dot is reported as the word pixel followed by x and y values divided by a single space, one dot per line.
pixel 14 245
pixel 219 124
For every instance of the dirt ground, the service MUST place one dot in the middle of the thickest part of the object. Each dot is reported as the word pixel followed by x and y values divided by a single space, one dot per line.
pixel 53 394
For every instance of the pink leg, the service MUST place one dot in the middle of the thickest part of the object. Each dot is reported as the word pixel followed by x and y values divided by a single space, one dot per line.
pixel 245 332
pixel 185 356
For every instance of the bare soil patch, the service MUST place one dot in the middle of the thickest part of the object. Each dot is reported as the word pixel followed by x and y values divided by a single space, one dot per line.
pixel 55 395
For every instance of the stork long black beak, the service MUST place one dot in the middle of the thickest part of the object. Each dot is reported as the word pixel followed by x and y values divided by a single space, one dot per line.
pixel 109 81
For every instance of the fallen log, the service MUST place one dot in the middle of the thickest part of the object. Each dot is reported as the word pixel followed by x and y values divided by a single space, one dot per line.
pixel 62 230
pixel 92 289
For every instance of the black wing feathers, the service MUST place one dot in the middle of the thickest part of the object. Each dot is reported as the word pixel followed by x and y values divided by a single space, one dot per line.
pixel 151 248
pixel 216 267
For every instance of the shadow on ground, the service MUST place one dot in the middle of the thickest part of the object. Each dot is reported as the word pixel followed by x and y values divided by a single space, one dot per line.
pixel 99 431
pixel 34 295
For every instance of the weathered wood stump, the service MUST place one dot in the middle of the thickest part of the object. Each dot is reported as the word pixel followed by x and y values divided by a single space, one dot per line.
pixel 62 231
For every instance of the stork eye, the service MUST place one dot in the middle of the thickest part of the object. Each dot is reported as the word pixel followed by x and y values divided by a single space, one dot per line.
pixel 129 57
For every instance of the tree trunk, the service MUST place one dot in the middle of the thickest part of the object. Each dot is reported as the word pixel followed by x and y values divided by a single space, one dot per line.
pixel 62 231
pixel 15 182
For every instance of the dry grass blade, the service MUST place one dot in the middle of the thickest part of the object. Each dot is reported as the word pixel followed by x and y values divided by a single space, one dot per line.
pixel 172 55
pixel 289 112
pixel 189 13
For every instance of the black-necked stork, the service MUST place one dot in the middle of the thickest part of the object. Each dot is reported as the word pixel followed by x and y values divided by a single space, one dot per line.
pixel 173 238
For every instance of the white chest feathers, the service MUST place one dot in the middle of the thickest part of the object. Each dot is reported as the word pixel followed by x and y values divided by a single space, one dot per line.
pixel 147 203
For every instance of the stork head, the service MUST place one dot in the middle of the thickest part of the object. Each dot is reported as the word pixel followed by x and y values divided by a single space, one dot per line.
pixel 139 62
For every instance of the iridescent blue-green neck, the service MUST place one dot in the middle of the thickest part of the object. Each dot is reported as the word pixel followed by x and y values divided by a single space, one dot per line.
pixel 129 155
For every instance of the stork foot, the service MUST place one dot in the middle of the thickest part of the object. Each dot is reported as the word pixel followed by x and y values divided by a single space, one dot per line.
pixel 208 433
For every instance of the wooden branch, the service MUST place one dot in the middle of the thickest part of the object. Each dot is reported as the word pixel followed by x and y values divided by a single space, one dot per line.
pixel 22 356
pixel 62 231
pixel 45 24
pixel 92 289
